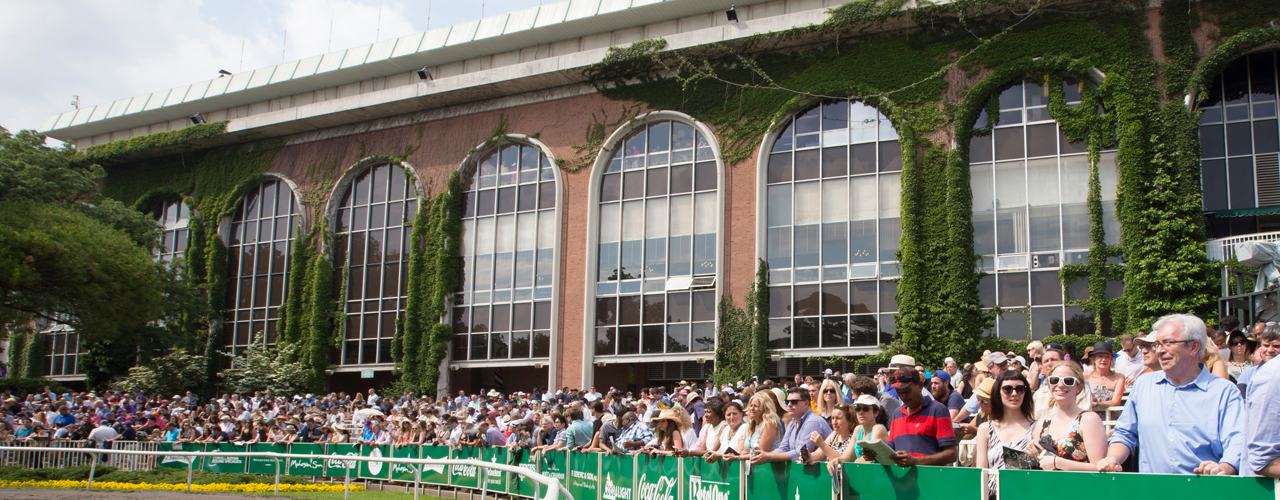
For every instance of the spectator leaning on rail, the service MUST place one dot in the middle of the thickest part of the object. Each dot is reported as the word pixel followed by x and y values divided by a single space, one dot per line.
pixel 920 431
pixel 1186 420
pixel 796 434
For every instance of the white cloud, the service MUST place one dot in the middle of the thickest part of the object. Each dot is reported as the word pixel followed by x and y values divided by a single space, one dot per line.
pixel 111 49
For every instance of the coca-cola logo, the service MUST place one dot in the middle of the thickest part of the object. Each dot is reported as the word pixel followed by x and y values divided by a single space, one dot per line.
pixel 660 490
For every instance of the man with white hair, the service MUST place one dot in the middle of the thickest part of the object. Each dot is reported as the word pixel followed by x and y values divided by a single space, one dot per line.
pixel 1187 420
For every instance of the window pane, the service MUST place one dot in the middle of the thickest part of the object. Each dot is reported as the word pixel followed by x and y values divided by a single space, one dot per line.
pixel 1012 289
pixel 835 331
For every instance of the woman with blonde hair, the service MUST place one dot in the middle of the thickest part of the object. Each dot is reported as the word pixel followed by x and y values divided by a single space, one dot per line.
pixel 1213 361
pixel 764 428
pixel 828 397
pixel 685 426
pixel 1078 435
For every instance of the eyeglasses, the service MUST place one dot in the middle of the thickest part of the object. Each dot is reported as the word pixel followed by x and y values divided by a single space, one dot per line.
pixel 828 391
pixel 793 402
pixel 1066 381
pixel 1013 389
pixel 1168 344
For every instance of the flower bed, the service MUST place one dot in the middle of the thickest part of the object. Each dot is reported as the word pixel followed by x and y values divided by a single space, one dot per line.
pixel 215 487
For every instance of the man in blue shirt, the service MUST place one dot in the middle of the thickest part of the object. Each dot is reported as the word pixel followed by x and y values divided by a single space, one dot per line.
pixel 1268 348
pixel 64 417
pixel 1262 428
pixel 1186 420
pixel 796 436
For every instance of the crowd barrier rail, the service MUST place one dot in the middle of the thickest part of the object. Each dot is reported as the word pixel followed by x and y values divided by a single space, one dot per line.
pixel 590 476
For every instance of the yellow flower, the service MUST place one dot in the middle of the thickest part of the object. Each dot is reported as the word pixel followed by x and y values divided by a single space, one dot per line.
pixel 216 487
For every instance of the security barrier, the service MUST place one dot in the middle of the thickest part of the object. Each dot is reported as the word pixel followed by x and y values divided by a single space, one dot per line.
pixel 642 477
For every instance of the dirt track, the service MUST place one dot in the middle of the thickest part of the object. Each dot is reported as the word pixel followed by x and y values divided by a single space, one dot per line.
pixel 52 494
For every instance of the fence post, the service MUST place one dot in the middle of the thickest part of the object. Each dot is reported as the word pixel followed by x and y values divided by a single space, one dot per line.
pixel 277 476
pixel 191 463
pixel 417 480
pixel 346 493
pixel 93 467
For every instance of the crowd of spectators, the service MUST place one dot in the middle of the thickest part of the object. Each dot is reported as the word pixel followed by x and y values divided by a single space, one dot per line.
pixel 1178 415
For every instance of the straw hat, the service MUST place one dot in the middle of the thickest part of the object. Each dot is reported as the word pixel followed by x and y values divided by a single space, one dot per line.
pixel 984 389
pixel 668 415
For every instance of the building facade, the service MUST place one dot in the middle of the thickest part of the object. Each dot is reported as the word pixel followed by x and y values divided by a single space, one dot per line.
pixel 599 232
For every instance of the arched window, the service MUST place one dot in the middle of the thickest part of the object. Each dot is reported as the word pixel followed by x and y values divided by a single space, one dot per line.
pixel 832 216
pixel 174 218
pixel 262 232
pixel 1240 149
pixel 1030 215
pixel 657 254
pixel 373 224
pixel 62 343
pixel 509 240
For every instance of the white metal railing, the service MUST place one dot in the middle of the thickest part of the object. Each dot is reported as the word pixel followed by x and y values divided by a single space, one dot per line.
pixel 1223 249
pixel 554 489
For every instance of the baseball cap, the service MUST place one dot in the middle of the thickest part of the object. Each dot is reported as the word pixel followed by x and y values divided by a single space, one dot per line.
pixel 827 371
pixel 942 375
pixel 904 376
pixel 996 358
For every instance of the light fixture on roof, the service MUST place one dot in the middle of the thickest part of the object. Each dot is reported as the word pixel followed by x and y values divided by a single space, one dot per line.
pixel 196 119
pixel 425 74
pixel 732 14
pixel 223 72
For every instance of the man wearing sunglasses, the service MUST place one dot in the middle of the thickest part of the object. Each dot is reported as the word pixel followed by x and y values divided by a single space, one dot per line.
pixel 796 436
pixel 921 431
pixel 1186 420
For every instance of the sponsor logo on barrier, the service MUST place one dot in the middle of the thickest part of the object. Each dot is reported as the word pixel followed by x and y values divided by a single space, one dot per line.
pixel 700 489
pixel 307 463
pixel 435 468
pixel 660 490
pixel 462 470
pixel 335 463
pixel 613 491
pixel 577 474
pixel 225 460
pixel 375 468
pixel 401 469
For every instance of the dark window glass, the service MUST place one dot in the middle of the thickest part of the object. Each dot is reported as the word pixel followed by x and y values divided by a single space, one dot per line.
pixel 980 149
pixel 1212 143
pixel 1009 142
pixel 1046 288
pixel 1042 140
pixel 807 333
pixel 807 300
pixel 1240 179
pixel 888 296
pixel 1213 182
pixel 835 298
pixel 681 179
pixel 835 162
pixel 808 165
pixel 863 159
pixel 890 156
pixel 779 167
pixel 1013 289
pixel 835 331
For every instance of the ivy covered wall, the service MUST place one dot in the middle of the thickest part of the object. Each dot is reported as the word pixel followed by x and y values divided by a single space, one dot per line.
pixel 932 71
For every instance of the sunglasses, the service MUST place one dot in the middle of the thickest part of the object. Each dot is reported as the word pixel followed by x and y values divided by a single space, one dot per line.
pixel 1013 389
pixel 1066 381
pixel 862 408
pixel 829 391
pixel 1236 343
pixel 793 402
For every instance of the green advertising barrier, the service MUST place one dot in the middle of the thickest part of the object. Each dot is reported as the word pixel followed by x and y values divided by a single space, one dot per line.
pixel 179 461
pixel 495 480
pixel 306 466
pixel 718 481
pixel 466 476
pixel 334 467
pixel 1021 483
pixel 232 465
pixel 617 471
pixel 584 484
pixel 374 470
pixel 788 481
pixel 554 464
pixel 403 472
pixel 658 477
pixel 261 465
pixel 521 485
pixel 875 481
pixel 435 473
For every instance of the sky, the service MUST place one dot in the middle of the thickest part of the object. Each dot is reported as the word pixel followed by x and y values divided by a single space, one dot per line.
pixel 104 50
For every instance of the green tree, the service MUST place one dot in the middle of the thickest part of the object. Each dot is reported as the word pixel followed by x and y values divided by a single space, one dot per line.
pixel 67 253
pixel 259 368
pixel 173 373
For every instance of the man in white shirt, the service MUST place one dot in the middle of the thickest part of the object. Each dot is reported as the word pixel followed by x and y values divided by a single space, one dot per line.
pixel 949 366
pixel 373 397
pixel 103 434
pixel 1129 361
pixel 591 395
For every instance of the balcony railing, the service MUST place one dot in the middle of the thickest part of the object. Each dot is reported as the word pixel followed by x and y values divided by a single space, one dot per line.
pixel 1223 249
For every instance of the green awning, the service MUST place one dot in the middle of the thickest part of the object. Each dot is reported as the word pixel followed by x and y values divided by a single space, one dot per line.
pixel 1245 212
